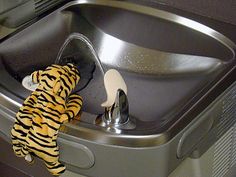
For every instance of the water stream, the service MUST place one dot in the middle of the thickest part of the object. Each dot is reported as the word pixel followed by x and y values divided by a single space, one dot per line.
pixel 81 37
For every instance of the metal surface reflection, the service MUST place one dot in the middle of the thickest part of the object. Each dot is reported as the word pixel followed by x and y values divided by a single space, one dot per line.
pixel 166 16
pixel 110 49
pixel 130 57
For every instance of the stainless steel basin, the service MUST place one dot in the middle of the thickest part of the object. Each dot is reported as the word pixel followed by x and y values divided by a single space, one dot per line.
pixel 169 62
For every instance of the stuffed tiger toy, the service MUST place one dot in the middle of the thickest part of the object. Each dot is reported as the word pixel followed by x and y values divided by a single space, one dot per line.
pixel 38 120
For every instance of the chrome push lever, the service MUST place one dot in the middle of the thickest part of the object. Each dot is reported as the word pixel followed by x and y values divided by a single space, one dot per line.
pixel 116 115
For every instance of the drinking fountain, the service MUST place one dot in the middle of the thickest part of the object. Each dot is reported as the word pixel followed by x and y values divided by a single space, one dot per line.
pixel 174 98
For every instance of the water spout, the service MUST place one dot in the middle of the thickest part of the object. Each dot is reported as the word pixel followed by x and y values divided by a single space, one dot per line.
pixel 81 37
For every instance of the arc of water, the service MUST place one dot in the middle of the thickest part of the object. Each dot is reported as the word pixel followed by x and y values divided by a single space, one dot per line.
pixel 79 36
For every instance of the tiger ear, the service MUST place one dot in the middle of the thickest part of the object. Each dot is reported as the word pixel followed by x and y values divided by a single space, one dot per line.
pixel 36 75
pixel 57 86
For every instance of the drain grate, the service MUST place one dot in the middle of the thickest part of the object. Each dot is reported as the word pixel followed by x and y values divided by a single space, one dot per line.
pixel 233 155
pixel 225 147
pixel 228 112
pixel 222 154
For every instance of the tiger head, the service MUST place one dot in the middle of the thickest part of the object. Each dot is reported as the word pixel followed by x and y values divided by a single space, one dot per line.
pixel 60 80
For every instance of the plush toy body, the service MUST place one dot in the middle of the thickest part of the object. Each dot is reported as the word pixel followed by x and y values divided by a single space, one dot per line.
pixel 38 120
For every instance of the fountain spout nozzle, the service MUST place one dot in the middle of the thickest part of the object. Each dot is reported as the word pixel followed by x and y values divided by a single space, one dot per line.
pixel 116 115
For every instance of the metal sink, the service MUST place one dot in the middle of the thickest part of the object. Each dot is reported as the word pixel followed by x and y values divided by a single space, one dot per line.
pixel 169 62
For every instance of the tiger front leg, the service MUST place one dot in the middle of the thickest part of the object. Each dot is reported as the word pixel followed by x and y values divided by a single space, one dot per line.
pixel 73 106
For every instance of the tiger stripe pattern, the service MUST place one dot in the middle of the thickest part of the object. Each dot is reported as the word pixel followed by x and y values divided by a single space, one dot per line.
pixel 39 118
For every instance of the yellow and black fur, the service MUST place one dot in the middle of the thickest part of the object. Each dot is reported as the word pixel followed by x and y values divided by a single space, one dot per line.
pixel 38 120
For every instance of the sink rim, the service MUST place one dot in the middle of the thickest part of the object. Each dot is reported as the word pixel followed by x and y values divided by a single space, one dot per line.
pixel 160 63
pixel 94 133
pixel 165 15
